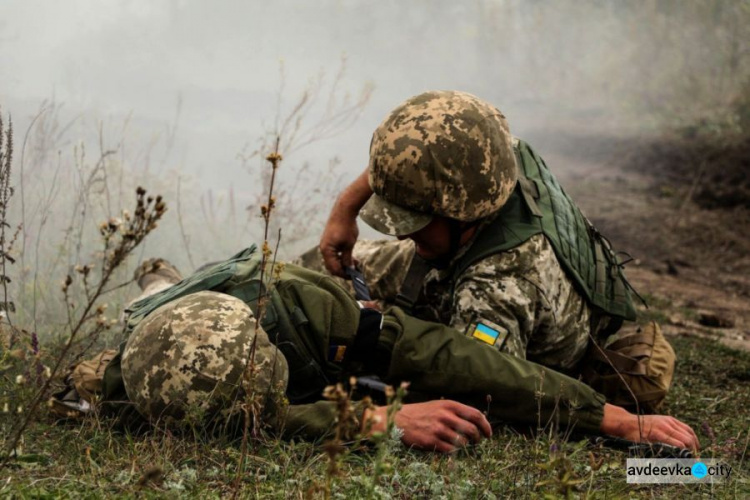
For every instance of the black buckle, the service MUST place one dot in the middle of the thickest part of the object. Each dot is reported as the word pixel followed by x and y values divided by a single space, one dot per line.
pixel 361 290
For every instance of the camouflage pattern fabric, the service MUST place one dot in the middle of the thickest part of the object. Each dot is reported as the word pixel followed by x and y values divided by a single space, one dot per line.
pixel 191 354
pixel 439 153
pixel 524 293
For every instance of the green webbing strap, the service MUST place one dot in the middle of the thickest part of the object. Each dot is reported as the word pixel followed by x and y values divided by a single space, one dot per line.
pixel 530 192
pixel 601 270
pixel 529 189
pixel 412 285
pixel 619 286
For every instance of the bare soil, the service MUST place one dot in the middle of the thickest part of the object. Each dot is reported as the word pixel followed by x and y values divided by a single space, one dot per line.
pixel 681 209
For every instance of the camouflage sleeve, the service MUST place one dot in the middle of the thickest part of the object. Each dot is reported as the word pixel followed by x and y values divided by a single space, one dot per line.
pixel 525 295
pixel 442 362
pixel 498 292
pixel 383 262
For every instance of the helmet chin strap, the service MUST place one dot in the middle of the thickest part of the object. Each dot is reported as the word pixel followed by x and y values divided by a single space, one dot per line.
pixel 457 229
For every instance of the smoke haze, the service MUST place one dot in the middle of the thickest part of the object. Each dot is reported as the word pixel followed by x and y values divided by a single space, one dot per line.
pixel 180 88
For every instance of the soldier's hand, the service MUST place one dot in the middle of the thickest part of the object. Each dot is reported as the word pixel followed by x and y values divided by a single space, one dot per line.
pixel 620 423
pixel 441 425
pixel 339 236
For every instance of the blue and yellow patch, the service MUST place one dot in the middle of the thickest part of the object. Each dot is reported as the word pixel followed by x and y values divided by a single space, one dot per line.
pixel 489 333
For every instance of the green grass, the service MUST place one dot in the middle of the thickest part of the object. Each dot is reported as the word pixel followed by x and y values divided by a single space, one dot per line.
pixel 89 460
pixel 657 309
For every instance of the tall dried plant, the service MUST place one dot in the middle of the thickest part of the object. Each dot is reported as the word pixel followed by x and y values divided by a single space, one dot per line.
pixel 293 134
pixel 253 402
pixel 120 236
pixel 6 192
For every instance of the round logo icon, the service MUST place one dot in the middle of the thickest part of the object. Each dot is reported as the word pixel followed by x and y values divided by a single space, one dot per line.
pixel 699 470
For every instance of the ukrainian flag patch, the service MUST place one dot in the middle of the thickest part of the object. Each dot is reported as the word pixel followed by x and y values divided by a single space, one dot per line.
pixel 489 333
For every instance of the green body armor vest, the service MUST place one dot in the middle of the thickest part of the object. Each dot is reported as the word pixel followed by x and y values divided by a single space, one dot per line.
pixel 539 205
pixel 305 314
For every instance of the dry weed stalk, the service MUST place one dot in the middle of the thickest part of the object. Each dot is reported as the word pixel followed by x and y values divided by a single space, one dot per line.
pixel 6 192
pixel 120 238
pixel 310 189
pixel 252 404
pixel 338 116
pixel 347 427
pixel 392 434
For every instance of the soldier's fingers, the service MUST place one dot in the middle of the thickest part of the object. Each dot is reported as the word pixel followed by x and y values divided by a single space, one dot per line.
pixel 452 437
pixel 685 427
pixel 692 440
pixel 346 257
pixel 444 447
pixel 673 436
pixel 332 260
pixel 477 418
pixel 465 428
pixel 473 415
pixel 681 439
pixel 688 434
pixel 679 432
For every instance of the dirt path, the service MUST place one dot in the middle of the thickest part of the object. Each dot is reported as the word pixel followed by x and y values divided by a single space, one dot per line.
pixel 686 308
pixel 692 265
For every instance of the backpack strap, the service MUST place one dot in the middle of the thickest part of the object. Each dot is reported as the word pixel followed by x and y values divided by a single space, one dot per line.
pixel 412 284
pixel 306 377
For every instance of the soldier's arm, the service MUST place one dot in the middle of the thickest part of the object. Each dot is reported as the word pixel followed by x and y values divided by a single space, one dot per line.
pixel 384 264
pixel 341 231
pixel 315 420
pixel 440 361
pixel 495 291
pixel 439 425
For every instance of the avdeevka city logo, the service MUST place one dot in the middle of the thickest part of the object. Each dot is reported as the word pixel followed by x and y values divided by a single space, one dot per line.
pixel 699 470
pixel 676 470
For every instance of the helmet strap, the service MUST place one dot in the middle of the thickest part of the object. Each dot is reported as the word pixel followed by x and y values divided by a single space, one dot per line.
pixel 456 229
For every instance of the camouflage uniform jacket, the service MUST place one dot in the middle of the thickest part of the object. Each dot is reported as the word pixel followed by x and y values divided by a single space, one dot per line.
pixel 523 293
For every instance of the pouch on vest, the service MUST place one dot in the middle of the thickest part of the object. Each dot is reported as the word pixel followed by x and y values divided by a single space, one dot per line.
pixel 632 369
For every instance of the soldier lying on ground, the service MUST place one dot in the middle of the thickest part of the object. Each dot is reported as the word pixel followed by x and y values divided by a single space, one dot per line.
pixel 494 248
pixel 188 345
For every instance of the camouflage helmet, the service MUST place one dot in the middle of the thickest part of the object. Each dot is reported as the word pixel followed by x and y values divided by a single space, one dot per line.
pixel 439 153
pixel 191 353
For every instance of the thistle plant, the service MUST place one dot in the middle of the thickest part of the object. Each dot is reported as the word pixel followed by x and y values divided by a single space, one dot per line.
pixel 120 236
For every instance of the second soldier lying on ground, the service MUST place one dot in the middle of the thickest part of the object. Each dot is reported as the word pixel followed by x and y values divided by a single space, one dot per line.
pixel 189 344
